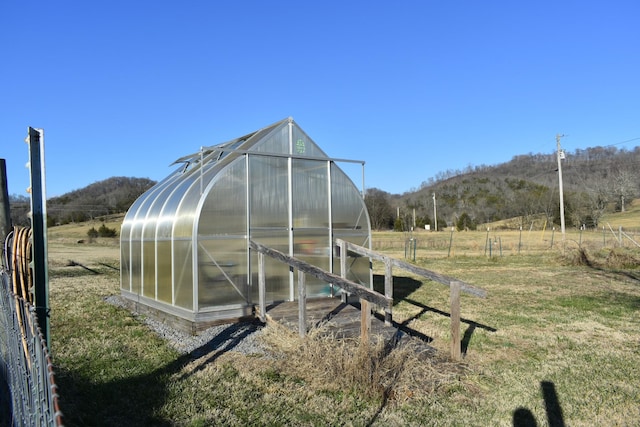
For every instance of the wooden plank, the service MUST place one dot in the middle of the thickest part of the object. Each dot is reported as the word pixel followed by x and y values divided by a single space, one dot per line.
pixel 302 305
pixel 455 321
pixel 365 321
pixel 440 278
pixel 349 286
pixel 388 289
pixel 436 277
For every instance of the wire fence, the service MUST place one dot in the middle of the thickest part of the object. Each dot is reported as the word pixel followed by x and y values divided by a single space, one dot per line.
pixel 28 392
pixel 501 242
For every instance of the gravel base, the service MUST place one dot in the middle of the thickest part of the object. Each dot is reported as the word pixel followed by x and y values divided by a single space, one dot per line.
pixel 239 337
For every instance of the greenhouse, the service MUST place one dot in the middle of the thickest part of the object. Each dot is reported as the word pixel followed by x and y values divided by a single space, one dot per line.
pixel 185 242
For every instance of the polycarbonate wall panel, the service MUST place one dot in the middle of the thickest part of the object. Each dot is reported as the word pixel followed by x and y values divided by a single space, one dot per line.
pixel 304 146
pixel 125 255
pixel 357 267
pixel 163 266
pixel 136 266
pixel 310 194
pixel 276 142
pixel 185 214
pixel 269 192
pixel 347 206
pixel 222 269
pixel 277 273
pixel 225 209
pixel 313 246
pixel 172 197
pixel 125 262
pixel 149 268
pixel 183 273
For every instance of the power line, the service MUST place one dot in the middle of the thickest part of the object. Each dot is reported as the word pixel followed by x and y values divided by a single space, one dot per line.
pixel 623 142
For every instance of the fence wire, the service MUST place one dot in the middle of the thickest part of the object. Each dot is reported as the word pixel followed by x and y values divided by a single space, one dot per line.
pixel 28 392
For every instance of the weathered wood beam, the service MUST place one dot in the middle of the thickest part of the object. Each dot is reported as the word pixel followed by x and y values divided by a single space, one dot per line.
pixel 349 286
pixel 432 275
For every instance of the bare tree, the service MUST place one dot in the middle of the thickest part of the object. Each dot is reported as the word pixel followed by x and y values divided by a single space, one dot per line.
pixel 380 211
pixel 624 186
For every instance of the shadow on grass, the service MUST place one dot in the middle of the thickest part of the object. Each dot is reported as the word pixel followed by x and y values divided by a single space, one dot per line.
pixel 403 287
pixel 523 417
pixel 138 400
pixel 73 263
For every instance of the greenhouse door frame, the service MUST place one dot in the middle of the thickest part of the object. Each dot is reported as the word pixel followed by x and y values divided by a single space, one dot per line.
pixel 290 229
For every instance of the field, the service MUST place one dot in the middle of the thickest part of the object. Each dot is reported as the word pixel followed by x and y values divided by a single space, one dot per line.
pixel 555 343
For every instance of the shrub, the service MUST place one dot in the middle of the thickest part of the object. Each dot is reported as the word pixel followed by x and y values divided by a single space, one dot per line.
pixel 465 222
pixel 105 231
pixel 92 233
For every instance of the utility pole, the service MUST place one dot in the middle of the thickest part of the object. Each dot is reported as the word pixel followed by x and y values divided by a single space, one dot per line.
pixel 560 156
pixel 435 215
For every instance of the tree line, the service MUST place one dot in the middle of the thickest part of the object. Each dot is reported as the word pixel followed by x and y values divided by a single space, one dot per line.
pixel 110 196
pixel 595 180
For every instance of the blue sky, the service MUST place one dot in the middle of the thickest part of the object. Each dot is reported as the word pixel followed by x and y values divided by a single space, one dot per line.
pixel 413 88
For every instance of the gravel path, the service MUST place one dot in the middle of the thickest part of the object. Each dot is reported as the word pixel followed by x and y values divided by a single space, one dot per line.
pixel 239 337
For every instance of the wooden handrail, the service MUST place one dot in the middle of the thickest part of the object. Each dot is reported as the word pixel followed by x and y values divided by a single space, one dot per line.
pixel 436 277
pixel 303 267
pixel 456 286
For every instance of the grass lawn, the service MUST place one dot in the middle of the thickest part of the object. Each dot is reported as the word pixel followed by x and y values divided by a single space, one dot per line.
pixel 556 342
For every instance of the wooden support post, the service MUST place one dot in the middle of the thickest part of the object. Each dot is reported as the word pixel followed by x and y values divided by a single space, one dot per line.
pixel 262 288
pixel 455 320
pixel 343 267
pixel 388 290
pixel 302 305
pixel 365 321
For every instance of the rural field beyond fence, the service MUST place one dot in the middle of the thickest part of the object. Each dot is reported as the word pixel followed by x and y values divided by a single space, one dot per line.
pixel 495 243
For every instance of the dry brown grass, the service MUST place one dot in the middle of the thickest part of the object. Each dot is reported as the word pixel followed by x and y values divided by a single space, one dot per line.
pixel 390 374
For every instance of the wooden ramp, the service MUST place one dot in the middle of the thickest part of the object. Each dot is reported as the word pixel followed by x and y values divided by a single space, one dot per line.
pixel 332 315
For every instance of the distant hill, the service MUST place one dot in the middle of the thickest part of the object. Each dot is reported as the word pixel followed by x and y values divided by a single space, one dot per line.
pixel 595 180
pixel 110 196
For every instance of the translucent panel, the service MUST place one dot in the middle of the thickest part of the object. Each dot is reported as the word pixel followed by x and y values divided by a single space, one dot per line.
pixel 277 273
pixel 347 206
pixel 222 267
pixel 136 266
pixel 154 215
pixel 125 262
pixel 310 194
pixel 276 142
pixel 304 146
pixel 125 255
pixel 357 267
pixel 313 246
pixel 163 266
pixel 173 195
pixel 149 269
pixel 224 211
pixel 125 232
pixel 269 191
pixel 183 273
pixel 185 213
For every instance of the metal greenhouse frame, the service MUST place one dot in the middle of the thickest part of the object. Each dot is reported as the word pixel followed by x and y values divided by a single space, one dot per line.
pixel 185 242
